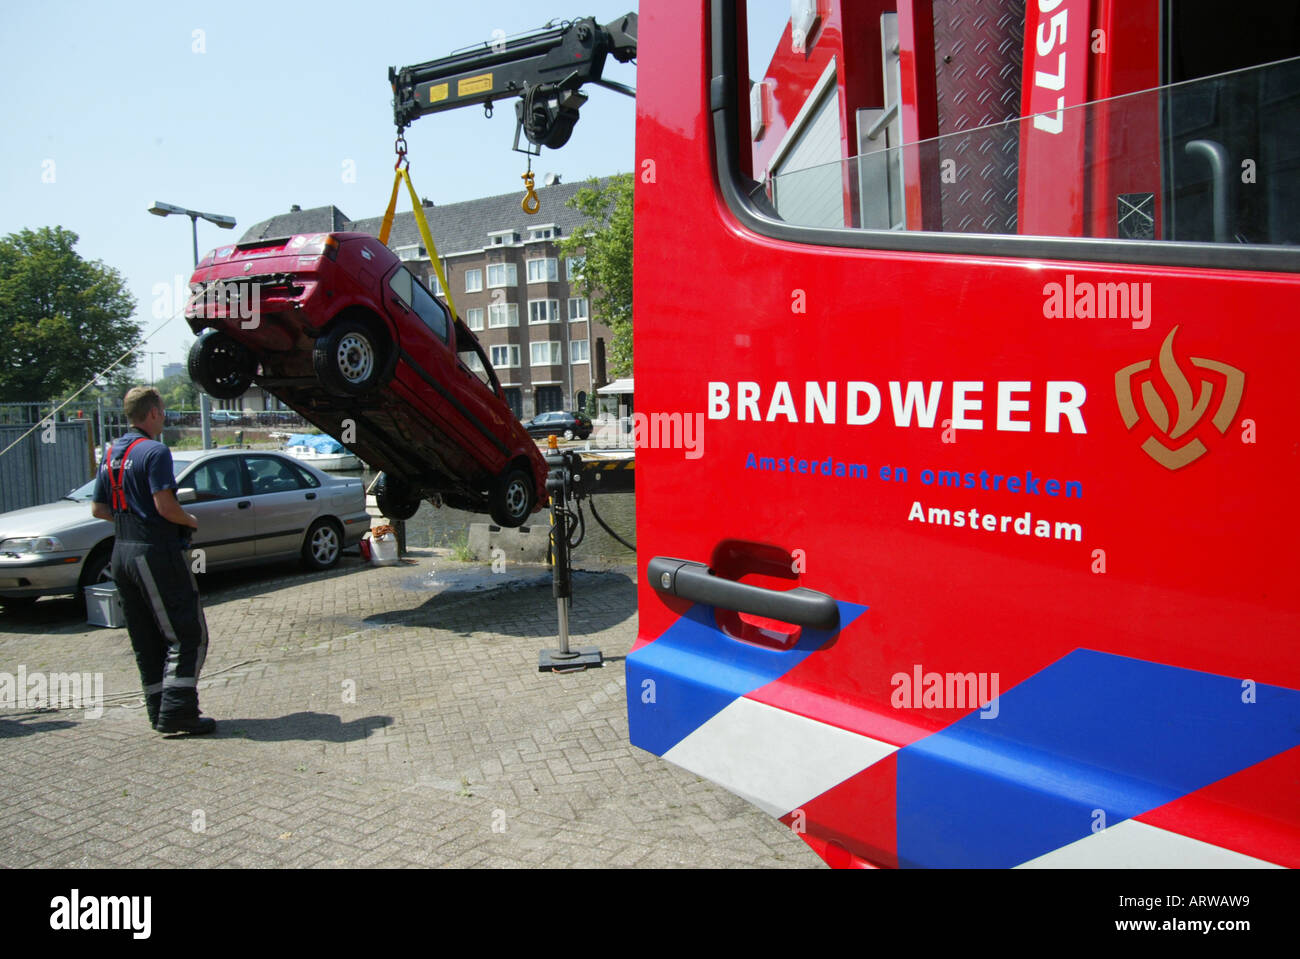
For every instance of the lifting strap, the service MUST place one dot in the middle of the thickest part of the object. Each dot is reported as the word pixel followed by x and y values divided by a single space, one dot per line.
pixel 421 222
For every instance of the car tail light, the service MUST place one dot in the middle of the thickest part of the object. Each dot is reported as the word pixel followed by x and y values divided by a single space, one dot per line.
pixel 326 243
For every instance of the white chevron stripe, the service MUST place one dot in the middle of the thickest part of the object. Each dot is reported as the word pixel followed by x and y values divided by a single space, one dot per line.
pixel 775 759
pixel 1137 845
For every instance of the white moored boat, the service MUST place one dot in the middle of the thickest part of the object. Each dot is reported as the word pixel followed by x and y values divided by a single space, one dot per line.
pixel 321 451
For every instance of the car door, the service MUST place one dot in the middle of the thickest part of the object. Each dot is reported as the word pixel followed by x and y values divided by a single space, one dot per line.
pixel 428 369
pixel 224 510
pixel 286 499
pixel 484 407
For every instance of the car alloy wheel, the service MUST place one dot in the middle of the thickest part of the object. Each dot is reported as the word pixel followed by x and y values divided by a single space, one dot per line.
pixel 323 545
pixel 568 434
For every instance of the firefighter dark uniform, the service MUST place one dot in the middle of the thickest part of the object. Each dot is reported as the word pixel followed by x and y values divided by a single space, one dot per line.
pixel 159 594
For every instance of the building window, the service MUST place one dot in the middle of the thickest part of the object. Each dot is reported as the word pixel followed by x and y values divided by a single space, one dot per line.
pixel 474 318
pixel 505 357
pixel 413 252
pixel 546 353
pixel 543 311
pixel 543 271
pixel 435 287
pixel 573 267
pixel 503 314
pixel 577 308
pixel 580 350
pixel 546 232
pixel 473 281
pixel 502 274
pixel 503 238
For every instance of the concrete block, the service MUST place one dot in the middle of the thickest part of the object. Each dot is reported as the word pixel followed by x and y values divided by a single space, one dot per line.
pixel 527 544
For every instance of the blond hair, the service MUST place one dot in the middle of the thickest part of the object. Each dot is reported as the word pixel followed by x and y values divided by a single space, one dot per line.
pixel 140 401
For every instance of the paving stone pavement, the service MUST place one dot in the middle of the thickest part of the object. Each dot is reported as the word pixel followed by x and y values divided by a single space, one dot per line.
pixel 367 717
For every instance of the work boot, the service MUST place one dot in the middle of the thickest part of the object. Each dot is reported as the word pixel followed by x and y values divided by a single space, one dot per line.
pixel 193 726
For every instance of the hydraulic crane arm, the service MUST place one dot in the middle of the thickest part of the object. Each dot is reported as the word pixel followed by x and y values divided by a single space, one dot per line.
pixel 543 70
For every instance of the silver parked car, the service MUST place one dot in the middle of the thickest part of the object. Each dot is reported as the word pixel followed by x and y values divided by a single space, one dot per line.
pixel 251 506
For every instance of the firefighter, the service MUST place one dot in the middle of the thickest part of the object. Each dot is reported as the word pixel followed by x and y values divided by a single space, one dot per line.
pixel 136 489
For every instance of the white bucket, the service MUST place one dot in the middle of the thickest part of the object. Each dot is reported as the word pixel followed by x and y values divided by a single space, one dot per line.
pixel 383 550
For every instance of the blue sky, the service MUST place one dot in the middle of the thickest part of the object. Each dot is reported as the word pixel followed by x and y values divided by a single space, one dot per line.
pixel 113 106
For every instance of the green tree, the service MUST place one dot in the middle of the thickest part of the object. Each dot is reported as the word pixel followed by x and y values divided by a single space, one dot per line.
pixel 62 318
pixel 178 392
pixel 605 240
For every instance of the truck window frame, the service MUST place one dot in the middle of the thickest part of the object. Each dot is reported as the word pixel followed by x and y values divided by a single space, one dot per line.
pixel 745 200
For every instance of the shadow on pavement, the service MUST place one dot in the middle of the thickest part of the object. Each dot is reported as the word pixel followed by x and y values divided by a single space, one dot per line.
pixel 523 608
pixel 307 726
pixel 30 726
pixel 67 614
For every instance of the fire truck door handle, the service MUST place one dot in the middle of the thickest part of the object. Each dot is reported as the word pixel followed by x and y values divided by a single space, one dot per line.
pixel 696 582
pixel 1217 157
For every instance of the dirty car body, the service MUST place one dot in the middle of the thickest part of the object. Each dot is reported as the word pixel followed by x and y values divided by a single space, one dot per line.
pixel 337 328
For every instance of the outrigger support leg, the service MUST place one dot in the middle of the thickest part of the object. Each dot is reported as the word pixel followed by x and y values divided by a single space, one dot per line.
pixel 559 484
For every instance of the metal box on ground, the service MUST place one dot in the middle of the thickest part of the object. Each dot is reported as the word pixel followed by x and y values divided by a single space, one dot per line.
pixel 104 607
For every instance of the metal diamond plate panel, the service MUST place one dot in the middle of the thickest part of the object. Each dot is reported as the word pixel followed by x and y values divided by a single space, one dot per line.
pixel 977 62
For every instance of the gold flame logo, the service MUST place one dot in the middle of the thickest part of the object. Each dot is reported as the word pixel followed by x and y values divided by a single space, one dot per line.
pixel 1174 442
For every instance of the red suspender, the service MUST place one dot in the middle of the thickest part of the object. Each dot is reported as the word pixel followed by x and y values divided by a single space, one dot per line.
pixel 118 490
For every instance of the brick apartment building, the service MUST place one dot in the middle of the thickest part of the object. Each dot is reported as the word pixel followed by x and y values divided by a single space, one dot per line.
pixel 509 282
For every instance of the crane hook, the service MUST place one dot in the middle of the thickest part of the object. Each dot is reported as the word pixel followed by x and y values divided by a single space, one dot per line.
pixel 531 204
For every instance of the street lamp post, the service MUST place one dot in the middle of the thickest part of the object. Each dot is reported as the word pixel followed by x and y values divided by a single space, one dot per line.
pixel 226 223
pixel 152 354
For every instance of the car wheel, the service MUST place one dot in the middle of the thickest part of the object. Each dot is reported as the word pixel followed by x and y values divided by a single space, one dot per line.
pixel 323 545
pixel 512 499
pixel 220 366
pixel 568 434
pixel 98 567
pixel 394 498
pixel 349 359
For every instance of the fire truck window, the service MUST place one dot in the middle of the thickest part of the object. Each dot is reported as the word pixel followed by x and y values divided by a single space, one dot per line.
pixel 841 125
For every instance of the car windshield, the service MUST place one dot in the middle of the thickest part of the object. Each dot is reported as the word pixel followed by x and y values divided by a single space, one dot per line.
pixel 83 493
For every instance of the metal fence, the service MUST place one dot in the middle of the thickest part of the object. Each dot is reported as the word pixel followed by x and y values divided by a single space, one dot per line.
pixel 64 449
pixel 47 464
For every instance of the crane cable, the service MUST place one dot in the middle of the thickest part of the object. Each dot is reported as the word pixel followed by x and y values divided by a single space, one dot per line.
pixel 402 166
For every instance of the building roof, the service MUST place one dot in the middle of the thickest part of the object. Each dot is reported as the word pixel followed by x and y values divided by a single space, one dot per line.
pixel 320 219
pixel 457 227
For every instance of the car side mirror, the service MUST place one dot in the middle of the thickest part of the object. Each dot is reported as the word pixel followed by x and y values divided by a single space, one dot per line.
pixel 187 495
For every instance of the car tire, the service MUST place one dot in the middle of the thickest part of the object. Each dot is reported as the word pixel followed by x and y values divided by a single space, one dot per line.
pixel 220 366
pixel 349 359
pixel 394 498
pixel 323 545
pixel 97 567
pixel 512 498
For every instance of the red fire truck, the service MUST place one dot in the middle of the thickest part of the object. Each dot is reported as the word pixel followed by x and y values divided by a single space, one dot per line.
pixel 984 555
